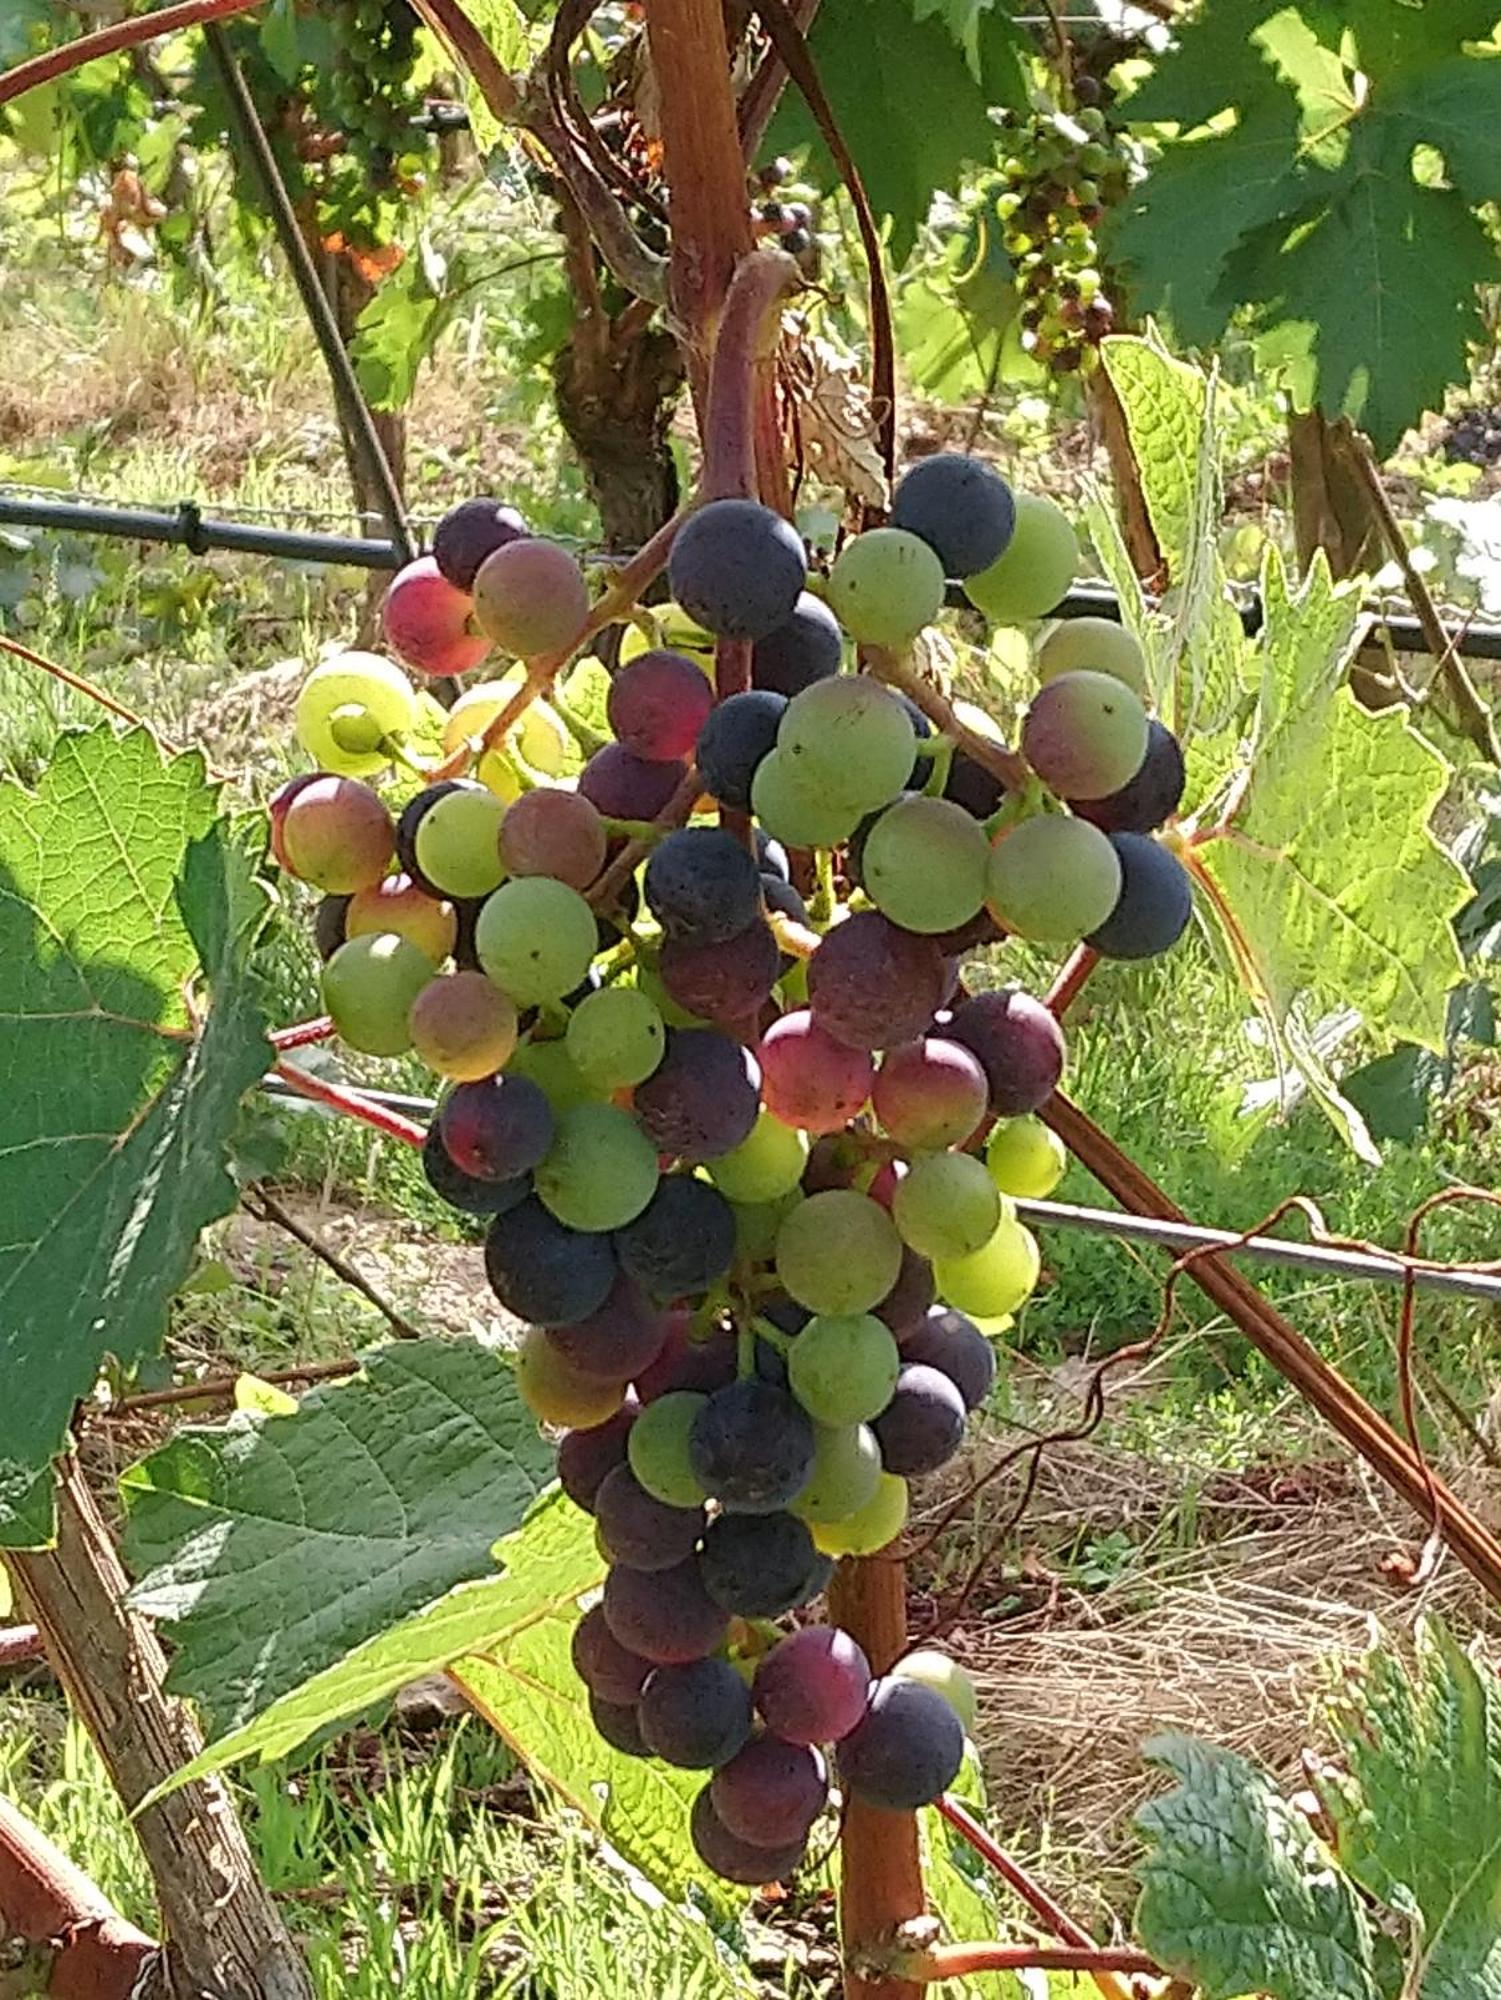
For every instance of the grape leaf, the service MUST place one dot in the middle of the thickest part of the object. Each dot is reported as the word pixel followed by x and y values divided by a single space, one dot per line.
pixel 547 1564
pixel 913 142
pixel 275 1546
pixel 118 886
pixel 1237 1896
pixel 1290 192
pixel 1416 1806
pixel 1336 883
pixel 400 326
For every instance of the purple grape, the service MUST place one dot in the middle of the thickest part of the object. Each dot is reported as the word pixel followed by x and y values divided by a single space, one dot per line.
pixel 684 1363
pixel 496 1129
pixel 738 734
pixel 1019 1046
pixel 703 885
pixel 738 1860
pixel 948 1341
pixel 544 1272
pixel 1144 802
pixel 604 1665
pixel 922 1426
pixel 697 1716
pixel 642 1532
pixel 727 983
pixel 964 512
pixel 617 1343
pixel 813 1687
pixel 702 1098
pixel 806 647
pixel 681 1243
pixel 752 1447
pixel 772 1791
pixel 617 1723
pixel 760 1565
pixel 328 925
pixel 666 1615
pixel 906 1305
pixel 906 1749
pixel 585 1457
pixel 470 532
pixel 467 1191
pixel 1155 903
pixel 657 704
pixel 737 569
pixel 871 984
pixel 622 785
pixel 970 785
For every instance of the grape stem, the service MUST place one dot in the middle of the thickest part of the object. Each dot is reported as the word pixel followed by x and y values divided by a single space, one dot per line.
pixel 109 41
pixel 1071 981
pixel 634 829
pixel 674 813
pixel 746 344
pixel 897 672
pixel 298 1037
pixel 961 1961
pixel 796 939
pixel 618 598
pixel 772 1335
pixel 339 1097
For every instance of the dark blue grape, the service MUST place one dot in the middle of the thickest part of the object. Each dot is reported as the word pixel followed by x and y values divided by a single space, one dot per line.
pixel 923 1425
pixel 905 1305
pixel 772 1791
pixel 470 532
pixel 906 1749
pixel 604 1665
pixel 621 785
pixel 411 817
pixel 665 1615
pixel 752 1447
pixel 641 1531
pixel 1155 903
pixel 970 785
pixel 620 1341
pixel 1148 799
pixel 681 1243
pixel 808 647
pixel 702 884
pixel 696 1716
pixel 760 1565
pixel 953 1344
pixel 737 568
pixel 467 1191
pixel 617 1723
pixel 703 1096
pixel 328 925
pixel 964 511
pixel 545 1272
pixel 771 856
pixel 497 1128
pixel 732 743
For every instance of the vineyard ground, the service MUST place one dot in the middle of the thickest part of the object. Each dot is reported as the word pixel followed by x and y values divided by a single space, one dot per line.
pixel 1198 1563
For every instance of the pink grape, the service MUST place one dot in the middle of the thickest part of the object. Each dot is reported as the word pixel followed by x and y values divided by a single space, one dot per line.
pixel 930 1093
pixel 808 1079
pixel 658 703
pixel 337 835
pixel 427 621
pixel 813 1687
pixel 871 984
pixel 530 597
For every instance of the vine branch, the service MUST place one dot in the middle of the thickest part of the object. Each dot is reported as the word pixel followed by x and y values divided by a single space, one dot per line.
pixel 61 61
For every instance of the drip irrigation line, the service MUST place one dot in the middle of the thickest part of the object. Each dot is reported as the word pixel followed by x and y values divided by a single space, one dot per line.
pixel 1359 1266
pixel 187 526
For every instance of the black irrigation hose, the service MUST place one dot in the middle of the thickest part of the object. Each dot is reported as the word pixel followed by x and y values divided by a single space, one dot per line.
pixel 191 529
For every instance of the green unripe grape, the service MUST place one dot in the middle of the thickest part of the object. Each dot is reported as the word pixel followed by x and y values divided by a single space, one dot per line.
pixel 842 1368
pixel 536 939
pixel 601 1170
pixel 757 1225
pixel 657 1448
pixel 1025 1158
pixel 946 1205
pixel 369 986
pixel 458 842
pixel 885 587
pixel 1053 879
pixel 556 1075
pixel 767 1164
pixel 616 1037
pixel 347 707
pixel 872 1527
pixel 846 1470
pixel 935 1670
pixel 1035 570
pixel 997 1278
pixel 791 808
pixel 847 739
pixel 1096 643
pixel 924 864
pixel 838 1252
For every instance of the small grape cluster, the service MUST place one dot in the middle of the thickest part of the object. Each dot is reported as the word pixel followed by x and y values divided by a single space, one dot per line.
pixel 375 43
pixel 1473 437
pixel 1059 172
pixel 788 223
pixel 748 1159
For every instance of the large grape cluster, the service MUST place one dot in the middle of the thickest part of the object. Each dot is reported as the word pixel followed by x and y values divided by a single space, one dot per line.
pixel 748 1151
pixel 369 84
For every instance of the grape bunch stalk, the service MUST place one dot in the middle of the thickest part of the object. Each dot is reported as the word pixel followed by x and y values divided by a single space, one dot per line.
pixel 747 1152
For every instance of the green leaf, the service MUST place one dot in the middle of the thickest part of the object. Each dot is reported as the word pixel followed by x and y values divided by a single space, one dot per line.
pixel 548 1564
pixel 275 1546
pixel 280 42
pixel 914 142
pixel 527 1690
pixel 118 887
pixel 1237 1896
pixel 1416 1807
pixel 1336 882
pixel 957 316
pixel 1457 107
pixel 399 328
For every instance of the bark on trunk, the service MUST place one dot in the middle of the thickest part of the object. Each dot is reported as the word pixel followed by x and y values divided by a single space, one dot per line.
pixel 615 400
pixel 1332 508
pixel 224 1935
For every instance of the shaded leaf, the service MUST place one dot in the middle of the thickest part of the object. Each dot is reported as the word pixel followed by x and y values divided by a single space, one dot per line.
pixel 277 1545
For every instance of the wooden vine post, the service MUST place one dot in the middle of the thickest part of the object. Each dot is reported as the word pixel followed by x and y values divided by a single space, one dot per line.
pixel 728 358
